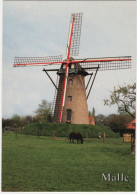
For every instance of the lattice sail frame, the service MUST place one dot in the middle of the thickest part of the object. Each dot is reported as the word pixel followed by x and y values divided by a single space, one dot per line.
pixel 37 61
pixel 108 63
pixel 75 42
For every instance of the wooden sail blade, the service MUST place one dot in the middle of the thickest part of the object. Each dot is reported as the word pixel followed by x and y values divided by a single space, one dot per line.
pixel 106 63
pixel 37 61
pixel 67 67
pixel 75 42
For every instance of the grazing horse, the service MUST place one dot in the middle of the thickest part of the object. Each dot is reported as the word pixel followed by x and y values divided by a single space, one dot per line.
pixel 77 136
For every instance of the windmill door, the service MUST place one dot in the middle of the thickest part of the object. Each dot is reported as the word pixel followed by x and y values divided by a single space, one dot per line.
pixel 69 111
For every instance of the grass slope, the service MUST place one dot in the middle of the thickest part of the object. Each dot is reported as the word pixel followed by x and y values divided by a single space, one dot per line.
pixel 62 130
pixel 30 163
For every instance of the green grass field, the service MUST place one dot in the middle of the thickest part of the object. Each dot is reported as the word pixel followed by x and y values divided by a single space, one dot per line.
pixel 30 163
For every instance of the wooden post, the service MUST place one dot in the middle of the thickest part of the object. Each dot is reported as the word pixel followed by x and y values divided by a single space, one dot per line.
pixel 104 136
pixel 53 134
pixel 16 131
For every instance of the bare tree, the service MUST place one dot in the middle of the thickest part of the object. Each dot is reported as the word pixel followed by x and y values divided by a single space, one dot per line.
pixel 125 99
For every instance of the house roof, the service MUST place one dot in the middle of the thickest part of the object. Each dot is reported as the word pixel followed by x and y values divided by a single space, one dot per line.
pixel 132 124
pixel 134 121
pixel 91 120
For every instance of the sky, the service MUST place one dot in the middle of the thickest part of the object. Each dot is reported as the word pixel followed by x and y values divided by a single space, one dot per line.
pixel 32 28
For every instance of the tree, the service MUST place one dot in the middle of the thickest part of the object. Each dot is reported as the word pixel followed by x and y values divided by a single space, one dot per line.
pixel 43 112
pixel 101 119
pixel 93 112
pixel 16 121
pixel 28 118
pixel 16 118
pixel 6 123
pixel 117 122
pixel 89 113
pixel 125 99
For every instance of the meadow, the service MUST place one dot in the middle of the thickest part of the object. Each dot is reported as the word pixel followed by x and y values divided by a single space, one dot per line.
pixel 31 163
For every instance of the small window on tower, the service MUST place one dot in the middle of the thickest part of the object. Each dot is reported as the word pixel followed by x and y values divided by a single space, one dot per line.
pixel 69 98
pixel 70 81
pixel 72 66
pixel 69 114
pixel 64 66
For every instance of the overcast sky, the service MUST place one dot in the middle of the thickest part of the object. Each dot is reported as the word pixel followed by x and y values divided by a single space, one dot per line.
pixel 41 29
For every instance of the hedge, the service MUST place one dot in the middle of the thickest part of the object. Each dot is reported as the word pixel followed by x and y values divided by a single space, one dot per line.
pixel 63 130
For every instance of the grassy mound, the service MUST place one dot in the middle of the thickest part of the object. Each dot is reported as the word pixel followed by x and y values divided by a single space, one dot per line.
pixel 63 130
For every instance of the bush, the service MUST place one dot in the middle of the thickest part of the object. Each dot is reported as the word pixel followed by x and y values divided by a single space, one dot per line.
pixel 63 130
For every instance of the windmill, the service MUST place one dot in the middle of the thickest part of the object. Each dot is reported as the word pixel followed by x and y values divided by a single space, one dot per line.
pixel 71 93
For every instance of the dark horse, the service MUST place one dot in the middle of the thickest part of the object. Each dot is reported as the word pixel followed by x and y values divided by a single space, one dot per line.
pixel 77 136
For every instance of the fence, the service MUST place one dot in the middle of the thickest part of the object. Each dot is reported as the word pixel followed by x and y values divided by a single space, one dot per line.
pixel 126 137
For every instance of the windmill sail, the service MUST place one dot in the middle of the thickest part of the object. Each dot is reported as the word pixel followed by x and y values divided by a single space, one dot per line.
pixel 75 42
pixel 109 64
pixel 37 61
pixel 105 63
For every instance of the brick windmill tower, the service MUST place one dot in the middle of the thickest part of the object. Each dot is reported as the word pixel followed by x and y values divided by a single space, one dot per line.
pixel 70 100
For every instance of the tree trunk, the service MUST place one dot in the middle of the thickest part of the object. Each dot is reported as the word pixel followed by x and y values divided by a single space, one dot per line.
pixel 132 144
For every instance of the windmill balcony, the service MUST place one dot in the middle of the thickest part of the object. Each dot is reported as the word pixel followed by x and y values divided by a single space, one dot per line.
pixel 72 69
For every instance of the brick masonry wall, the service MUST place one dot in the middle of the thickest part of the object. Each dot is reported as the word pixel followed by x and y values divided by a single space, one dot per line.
pixel 78 105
